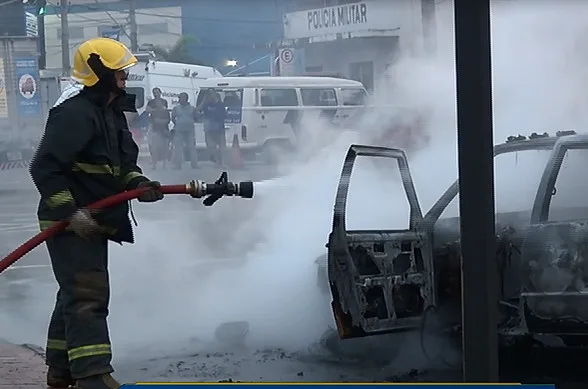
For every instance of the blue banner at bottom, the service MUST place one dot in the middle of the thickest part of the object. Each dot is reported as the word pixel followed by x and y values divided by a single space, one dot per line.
pixel 219 385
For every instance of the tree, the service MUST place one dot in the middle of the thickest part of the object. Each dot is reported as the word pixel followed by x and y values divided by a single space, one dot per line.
pixel 179 52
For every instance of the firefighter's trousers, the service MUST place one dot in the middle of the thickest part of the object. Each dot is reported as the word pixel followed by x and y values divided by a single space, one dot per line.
pixel 78 337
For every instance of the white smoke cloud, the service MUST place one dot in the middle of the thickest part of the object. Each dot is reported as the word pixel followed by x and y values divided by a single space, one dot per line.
pixel 254 260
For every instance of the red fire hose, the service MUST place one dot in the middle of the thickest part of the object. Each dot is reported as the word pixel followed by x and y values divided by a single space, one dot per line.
pixel 196 189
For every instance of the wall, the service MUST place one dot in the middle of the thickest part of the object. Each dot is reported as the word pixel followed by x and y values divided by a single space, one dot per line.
pixel 402 18
pixel 336 57
pixel 376 31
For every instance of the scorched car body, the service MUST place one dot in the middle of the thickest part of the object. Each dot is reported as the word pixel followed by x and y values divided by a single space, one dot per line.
pixel 386 281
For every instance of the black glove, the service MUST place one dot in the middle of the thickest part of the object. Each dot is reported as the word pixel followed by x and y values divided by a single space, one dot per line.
pixel 152 194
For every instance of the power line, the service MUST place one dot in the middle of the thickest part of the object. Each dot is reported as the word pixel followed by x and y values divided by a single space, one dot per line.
pixel 115 21
pixel 210 19
pixel 139 12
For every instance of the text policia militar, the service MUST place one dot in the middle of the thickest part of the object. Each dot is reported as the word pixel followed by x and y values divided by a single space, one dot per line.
pixel 337 16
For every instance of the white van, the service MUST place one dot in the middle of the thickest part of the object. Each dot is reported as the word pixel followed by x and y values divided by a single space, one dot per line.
pixel 266 112
pixel 172 78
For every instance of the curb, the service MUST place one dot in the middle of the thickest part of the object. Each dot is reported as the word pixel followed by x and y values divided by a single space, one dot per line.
pixel 22 367
pixel 34 348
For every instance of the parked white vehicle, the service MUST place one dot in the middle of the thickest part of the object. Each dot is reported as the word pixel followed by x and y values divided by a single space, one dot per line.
pixel 266 113
pixel 172 78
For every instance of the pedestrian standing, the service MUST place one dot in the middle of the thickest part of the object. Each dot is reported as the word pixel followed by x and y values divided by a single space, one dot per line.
pixel 214 113
pixel 183 117
pixel 159 136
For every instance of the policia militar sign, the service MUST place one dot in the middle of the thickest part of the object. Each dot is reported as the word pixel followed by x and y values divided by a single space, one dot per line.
pixel 343 15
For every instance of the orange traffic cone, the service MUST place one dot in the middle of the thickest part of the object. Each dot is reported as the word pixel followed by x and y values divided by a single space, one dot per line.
pixel 236 157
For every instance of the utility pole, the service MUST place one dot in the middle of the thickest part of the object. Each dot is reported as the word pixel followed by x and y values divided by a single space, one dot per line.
pixel 428 9
pixel 42 44
pixel 133 26
pixel 65 39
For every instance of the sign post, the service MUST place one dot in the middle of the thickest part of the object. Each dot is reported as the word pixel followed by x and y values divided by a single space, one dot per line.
pixel 290 61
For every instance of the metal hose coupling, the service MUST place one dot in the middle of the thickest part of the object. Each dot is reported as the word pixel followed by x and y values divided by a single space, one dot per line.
pixel 222 187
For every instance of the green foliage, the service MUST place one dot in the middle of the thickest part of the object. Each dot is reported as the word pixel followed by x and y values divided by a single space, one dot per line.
pixel 180 51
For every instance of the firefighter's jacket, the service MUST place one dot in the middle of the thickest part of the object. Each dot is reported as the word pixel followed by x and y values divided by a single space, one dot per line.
pixel 87 153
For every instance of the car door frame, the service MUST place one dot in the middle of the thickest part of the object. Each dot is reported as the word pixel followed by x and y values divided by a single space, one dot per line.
pixel 346 288
pixel 541 242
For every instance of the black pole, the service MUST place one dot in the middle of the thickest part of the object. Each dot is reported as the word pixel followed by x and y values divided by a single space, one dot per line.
pixel 133 26
pixel 476 181
pixel 41 40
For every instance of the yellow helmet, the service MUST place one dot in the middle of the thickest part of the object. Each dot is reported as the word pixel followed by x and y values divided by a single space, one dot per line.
pixel 112 54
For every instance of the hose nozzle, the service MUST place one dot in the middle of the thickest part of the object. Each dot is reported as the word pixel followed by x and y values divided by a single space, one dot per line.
pixel 222 187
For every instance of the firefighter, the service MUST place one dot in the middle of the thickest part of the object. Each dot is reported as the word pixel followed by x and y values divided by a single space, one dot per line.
pixel 86 154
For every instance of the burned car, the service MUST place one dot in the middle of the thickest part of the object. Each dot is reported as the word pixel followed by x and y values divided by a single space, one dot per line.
pixel 387 281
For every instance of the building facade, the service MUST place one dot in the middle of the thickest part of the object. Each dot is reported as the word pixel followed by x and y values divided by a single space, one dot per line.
pixel 161 26
pixel 359 40
pixel 225 30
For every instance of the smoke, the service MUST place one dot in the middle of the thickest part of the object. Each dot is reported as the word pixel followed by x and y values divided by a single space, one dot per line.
pixel 253 260
pixel 173 287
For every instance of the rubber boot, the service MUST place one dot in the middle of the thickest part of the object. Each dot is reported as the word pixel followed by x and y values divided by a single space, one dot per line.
pixel 98 382
pixel 58 379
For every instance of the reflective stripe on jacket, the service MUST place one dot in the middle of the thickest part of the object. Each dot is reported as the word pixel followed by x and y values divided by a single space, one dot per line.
pixel 87 153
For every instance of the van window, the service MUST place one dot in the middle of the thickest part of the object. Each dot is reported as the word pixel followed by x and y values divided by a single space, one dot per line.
pixel 319 97
pixel 231 97
pixel 353 96
pixel 140 95
pixel 278 98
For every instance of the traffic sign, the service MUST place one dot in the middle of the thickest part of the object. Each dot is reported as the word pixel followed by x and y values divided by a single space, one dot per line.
pixel 287 55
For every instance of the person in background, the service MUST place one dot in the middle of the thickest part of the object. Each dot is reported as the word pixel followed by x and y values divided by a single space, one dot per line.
pixel 232 100
pixel 183 116
pixel 159 117
pixel 214 113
